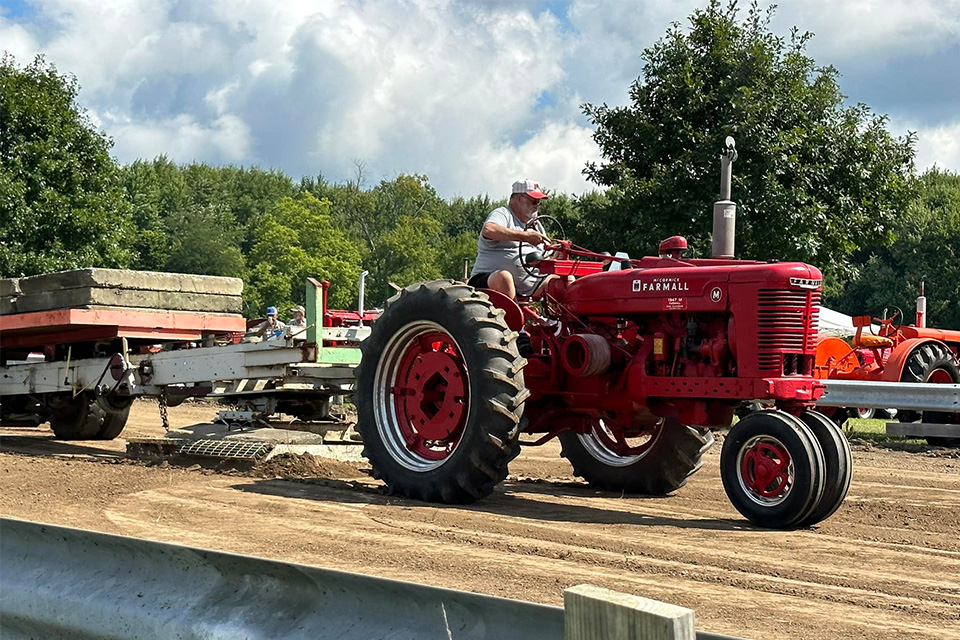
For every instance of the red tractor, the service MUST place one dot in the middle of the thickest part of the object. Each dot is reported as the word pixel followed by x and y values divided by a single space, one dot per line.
pixel 886 350
pixel 630 367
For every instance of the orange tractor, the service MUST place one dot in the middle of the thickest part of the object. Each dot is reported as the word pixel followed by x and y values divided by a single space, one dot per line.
pixel 885 350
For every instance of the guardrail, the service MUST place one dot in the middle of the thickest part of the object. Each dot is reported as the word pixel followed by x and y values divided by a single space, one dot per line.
pixel 70 583
pixel 898 395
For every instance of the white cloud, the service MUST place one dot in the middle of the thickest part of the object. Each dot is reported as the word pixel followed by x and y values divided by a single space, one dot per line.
pixel 554 156
pixel 936 145
pixel 471 94
pixel 876 29
pixel 224 140
pixel 17 40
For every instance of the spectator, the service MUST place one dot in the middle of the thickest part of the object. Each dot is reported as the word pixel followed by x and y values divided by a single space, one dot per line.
pixel 299 318
pixel 271 326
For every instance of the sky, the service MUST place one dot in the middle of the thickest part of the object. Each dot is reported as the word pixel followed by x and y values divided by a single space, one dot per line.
pixel 472 94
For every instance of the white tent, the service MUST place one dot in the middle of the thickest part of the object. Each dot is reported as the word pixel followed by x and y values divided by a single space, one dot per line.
pixel 835 323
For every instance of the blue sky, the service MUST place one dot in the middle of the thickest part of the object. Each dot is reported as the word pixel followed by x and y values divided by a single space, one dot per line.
pixel 472 94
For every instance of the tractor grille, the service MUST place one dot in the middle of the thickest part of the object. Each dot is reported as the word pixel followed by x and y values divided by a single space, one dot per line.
pixel 786 330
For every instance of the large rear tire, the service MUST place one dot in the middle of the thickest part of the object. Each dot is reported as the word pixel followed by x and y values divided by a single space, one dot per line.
pixel 930 362
pixel 661 465
pixel 772 468
pixel 838 470
pixel 440 394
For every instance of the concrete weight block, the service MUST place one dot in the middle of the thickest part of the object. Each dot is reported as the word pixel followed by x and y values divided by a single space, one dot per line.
pixel 9 287
pixel 94 278
pixel 167 300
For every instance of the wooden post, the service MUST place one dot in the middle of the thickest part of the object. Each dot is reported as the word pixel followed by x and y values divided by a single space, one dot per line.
pixel 592 613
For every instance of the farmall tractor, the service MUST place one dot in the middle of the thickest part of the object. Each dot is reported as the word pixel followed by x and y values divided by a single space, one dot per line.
pixel 630 368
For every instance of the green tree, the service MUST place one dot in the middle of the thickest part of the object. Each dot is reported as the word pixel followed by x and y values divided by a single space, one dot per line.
pixel 814 179
pixel 61 204
pixel 927 247
pixel 295 240
pixel 405 254
pixel 205 240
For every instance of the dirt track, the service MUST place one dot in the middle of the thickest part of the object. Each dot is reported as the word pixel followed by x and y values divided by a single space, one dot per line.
pixel 887 565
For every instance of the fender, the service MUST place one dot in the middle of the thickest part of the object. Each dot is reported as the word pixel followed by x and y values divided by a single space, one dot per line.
pixel 894 366
pixel 514 317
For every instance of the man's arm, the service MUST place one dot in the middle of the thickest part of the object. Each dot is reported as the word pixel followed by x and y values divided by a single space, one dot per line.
pixel 498 233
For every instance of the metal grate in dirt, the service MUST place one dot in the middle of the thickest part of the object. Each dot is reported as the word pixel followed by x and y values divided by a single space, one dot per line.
pixel 234 450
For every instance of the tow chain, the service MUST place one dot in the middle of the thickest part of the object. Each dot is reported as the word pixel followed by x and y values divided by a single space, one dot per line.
pixel 162 402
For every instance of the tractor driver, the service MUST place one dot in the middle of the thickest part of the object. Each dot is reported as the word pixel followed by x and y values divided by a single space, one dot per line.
pixel 498 254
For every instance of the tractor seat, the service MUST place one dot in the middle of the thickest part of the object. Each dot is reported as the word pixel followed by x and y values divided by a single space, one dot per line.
pixel 873 342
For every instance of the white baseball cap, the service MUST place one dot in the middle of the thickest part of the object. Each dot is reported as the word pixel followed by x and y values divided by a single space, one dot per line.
pixel 528 187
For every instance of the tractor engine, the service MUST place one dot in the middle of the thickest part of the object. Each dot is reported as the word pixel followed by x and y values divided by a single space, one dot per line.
pixel 686 339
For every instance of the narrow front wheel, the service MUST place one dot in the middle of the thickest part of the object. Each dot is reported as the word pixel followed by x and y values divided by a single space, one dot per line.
pixel 772 468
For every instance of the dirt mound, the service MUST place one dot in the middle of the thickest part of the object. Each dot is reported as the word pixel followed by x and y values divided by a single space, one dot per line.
pixel 304 465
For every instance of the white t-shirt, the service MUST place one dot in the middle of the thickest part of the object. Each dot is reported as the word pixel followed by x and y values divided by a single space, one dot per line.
pixel 495 255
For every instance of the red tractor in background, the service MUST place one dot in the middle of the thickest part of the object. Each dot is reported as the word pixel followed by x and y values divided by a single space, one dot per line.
pixel 885 350
pixel 630 368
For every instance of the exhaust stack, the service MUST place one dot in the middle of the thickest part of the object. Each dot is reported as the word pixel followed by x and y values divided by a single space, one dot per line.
pixel 363 280
pixel 725 210
pixel 921 307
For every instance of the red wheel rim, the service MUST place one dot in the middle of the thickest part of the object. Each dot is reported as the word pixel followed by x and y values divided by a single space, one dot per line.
pixel 765 468
pixel 940 376
pixel 616 442
pixel 431 395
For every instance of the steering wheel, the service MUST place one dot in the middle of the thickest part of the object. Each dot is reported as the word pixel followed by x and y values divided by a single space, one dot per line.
pixel 889 326
pixel 548 254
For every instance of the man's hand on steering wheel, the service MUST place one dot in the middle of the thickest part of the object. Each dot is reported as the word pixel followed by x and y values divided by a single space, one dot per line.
pixel 534 237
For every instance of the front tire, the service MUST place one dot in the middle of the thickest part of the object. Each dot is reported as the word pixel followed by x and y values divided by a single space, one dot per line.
pixel 440 394
pixel 772 469
pixel 660 466
pixel 838 461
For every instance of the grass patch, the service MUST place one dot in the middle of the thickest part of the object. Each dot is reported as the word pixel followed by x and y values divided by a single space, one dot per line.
pixel 874 430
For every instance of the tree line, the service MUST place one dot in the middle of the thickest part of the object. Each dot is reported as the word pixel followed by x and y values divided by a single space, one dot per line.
pixel 816 181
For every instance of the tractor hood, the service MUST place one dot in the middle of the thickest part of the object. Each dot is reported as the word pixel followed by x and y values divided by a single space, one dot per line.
pixel 672 285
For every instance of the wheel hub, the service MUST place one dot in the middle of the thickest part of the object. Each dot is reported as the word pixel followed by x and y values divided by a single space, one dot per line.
pixel 431 395
pixel 765 469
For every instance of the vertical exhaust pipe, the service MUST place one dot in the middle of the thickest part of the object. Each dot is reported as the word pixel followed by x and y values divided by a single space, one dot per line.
pixel 363 278
pixel 725 210
pixel 921 307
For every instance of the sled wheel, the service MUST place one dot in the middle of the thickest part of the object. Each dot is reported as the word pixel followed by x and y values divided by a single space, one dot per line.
pixel 772 469
pixel 930 362
pixel 654 465
pixel 838 462
pixel 115 417
pixel 440 394
pixel 79 418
